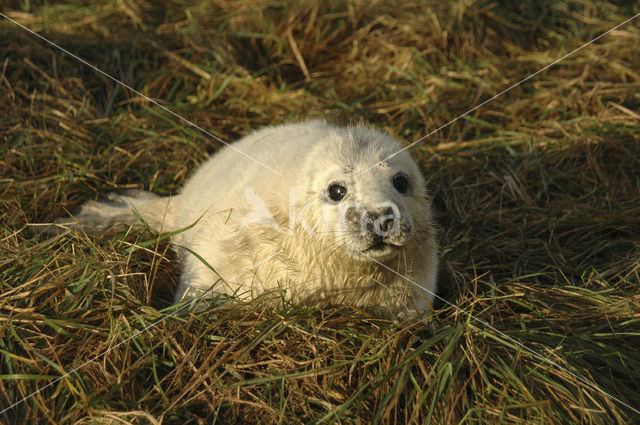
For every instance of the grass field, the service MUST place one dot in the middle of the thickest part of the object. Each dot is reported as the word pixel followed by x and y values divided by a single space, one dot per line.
pixel 537 195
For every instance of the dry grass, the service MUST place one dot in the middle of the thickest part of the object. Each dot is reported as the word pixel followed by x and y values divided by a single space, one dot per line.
pixel 536 194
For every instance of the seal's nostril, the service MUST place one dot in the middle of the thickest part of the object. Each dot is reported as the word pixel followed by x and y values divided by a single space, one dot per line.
pixel 387 219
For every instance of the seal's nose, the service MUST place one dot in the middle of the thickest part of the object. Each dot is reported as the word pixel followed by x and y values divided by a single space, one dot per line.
pixel 386 222
pixel 387 219
pixel 383 221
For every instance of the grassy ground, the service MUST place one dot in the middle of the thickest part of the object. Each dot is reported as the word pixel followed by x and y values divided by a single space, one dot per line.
pixel 536 193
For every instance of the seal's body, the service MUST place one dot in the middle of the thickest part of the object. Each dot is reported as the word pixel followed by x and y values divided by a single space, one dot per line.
pixel 325 227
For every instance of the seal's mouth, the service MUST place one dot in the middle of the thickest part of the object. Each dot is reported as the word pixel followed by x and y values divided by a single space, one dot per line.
pixel 381 249
pixel 380 246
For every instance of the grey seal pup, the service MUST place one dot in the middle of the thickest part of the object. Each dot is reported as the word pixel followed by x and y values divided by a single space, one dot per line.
pixel 325 214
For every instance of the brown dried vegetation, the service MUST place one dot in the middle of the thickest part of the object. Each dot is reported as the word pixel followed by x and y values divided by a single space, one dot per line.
pixel 536 193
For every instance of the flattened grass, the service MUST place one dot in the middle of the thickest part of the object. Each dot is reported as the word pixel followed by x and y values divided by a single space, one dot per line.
pixel 536 195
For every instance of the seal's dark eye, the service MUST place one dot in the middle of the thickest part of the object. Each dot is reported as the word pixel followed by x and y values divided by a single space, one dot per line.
pixel 337 192
pixel 401 183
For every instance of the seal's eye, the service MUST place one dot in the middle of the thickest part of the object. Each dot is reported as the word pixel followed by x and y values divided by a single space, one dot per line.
pixel 337 192
pixel 401 183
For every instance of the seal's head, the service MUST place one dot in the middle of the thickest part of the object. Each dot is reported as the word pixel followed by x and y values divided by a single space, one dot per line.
pixel 372 194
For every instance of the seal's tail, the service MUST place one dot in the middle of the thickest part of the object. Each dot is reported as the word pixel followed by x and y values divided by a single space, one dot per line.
pixel 133 208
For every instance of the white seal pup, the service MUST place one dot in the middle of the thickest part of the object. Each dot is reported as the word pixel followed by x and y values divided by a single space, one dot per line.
pixel 324 213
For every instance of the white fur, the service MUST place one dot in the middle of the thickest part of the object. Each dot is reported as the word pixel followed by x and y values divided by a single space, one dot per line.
pixel 309 258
